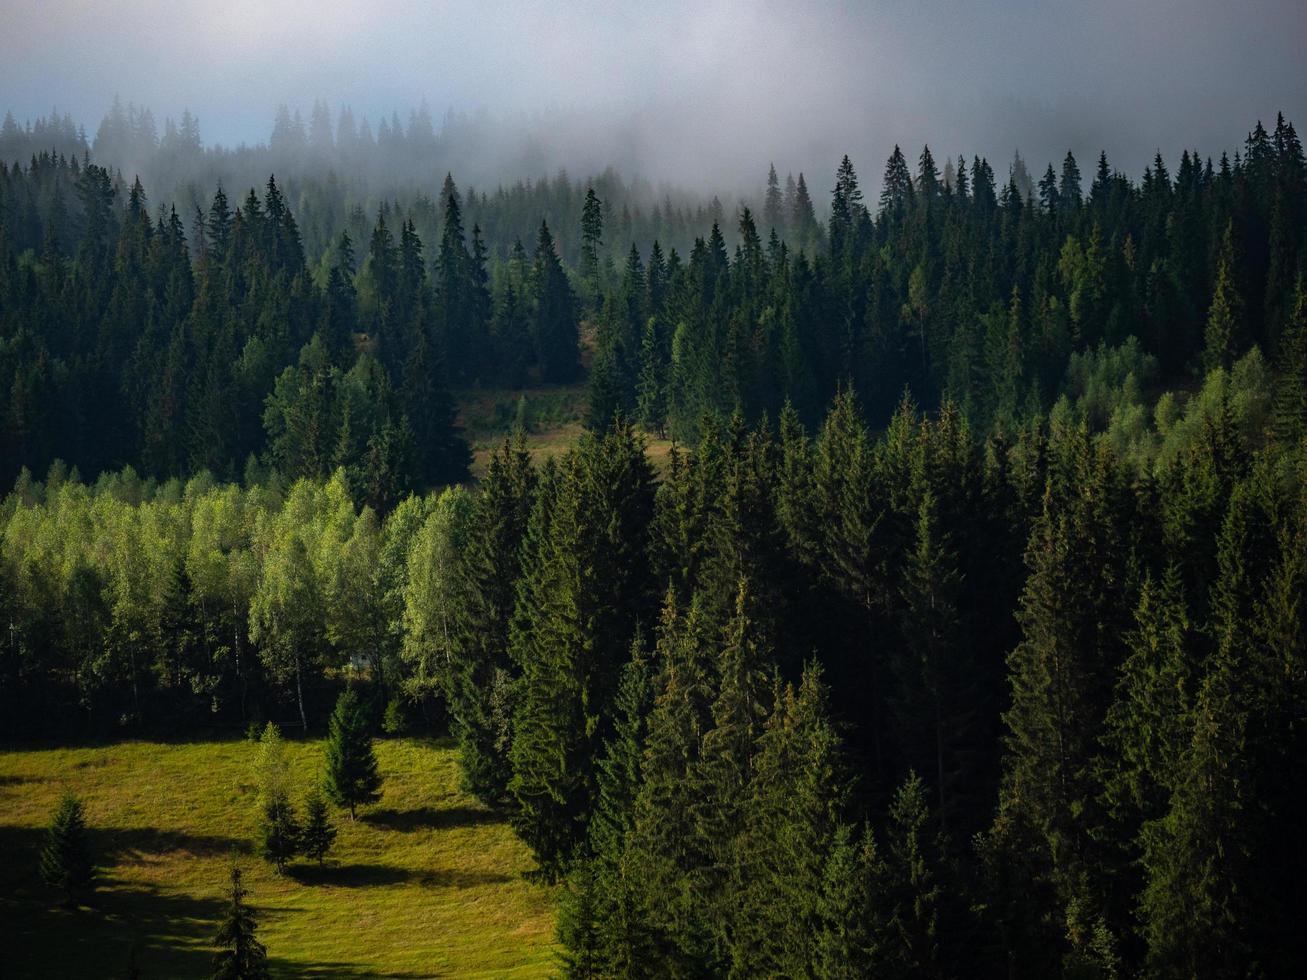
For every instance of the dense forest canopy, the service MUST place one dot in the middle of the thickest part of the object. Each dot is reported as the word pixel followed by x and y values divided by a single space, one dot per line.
pixel 962 632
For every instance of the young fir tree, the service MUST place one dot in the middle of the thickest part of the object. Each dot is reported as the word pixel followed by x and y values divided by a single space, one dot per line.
pixel 352 779
pixel 66 859
pixel 318 833
pixel 279 834
pixel 240 955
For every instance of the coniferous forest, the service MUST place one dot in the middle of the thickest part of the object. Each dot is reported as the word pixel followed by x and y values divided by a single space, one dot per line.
pixel 961 630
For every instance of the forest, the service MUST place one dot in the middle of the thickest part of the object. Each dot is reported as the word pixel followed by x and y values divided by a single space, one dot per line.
pixel 962 630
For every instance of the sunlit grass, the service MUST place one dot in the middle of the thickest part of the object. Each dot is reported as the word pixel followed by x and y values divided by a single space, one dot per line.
pixel 426 883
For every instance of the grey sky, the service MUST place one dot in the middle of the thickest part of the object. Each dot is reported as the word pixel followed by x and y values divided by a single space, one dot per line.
pixel 693 91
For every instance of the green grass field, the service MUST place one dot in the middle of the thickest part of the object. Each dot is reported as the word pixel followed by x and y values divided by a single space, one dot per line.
pixel 426 883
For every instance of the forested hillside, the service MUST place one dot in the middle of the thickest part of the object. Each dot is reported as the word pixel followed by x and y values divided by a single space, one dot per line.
pixel 963 632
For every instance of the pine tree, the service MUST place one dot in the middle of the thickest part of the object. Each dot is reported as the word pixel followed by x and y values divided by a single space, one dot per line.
pixel 241 956
pixel 1069 194
pixel 773 208
pixel 489 571
pixel 66 860
pixel 592 235
pixel 279 834
pixel 554 324
pixel 914 892
pixel 796 799
pixel 1224 337
pixel 352 779
pixel 584 589
pixel 1289 400
pixel 318 833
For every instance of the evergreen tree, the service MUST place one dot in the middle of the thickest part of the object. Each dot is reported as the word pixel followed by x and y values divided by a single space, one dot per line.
pixel 1224 336
pixel 489 570
pixel 240 955
pixel 592 235
pixel 352 779
pixel 279 834
pixel 66 860
pixel 318 833
pixel 554 327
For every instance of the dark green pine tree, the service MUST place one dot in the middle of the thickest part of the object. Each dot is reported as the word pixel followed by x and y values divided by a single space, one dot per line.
pixel 240 955
pixel 603 914
pixel 651 384
pixel 914 891
pixel 853 936
pixel 482 669
pixel 1289 399
pixel 554 329
pixel 1069 194
pixel 592 238
pixel 721 777
pixel 667 849
pixel 896 188
pixel 352 778
pixel 773 208
pixel 796 801
pixel 318 833
pixel 279 833
pixel 66 859
pixel 934 704
pixel 585 586
pixel 1224 336
pixel 1071 619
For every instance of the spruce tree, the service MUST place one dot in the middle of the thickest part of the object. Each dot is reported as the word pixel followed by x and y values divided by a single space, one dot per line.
pixel 279 834
pixel 352 779
pixel 318 833
pixel 240 955
pixel 1224 336
pixel 482 669
pixel 554 325
pixel 66 860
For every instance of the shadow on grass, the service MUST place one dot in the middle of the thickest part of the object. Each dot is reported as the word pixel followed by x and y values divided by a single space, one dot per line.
pixel 8 780
pixel 432 818
pixel 294 968
pixel 121 843
pixel 348 875
pixel 371 875
pixel 114 927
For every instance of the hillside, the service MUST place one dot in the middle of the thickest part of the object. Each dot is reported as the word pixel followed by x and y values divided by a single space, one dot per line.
pixel 426 883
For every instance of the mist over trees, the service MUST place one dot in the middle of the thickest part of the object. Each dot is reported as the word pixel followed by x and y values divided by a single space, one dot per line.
pixel 959 630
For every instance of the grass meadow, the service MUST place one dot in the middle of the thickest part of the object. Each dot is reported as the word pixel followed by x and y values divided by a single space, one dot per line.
pixel 426 883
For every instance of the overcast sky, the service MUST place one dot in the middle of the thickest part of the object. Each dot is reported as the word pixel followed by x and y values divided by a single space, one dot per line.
pixel 704 91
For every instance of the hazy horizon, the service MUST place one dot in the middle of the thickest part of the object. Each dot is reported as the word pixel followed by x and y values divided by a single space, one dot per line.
pixel 701 94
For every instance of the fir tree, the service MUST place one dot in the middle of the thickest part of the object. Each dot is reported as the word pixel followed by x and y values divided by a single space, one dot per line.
pixel 66 860
pixel 279 834
pixel 318 833
pixel 352 779
pixel 240 956
pixel 1224 334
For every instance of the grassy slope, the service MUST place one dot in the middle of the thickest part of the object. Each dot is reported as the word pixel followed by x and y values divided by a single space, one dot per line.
pixel 426 883
pixel 555 416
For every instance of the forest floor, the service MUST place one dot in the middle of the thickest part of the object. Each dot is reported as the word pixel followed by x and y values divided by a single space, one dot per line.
pixel 426 883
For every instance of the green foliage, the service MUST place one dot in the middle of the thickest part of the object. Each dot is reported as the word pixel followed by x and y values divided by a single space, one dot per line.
pixel 352 778
pixel 318 833
pixel 240 955
pixel 279 834
pixel 67 862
